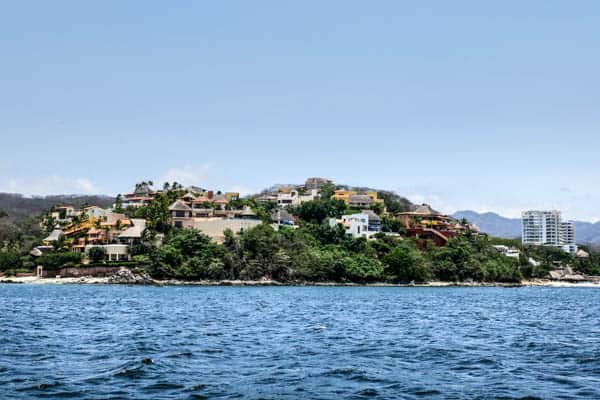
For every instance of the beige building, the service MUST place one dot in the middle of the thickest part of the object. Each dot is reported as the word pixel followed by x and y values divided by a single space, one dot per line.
pixel 215 227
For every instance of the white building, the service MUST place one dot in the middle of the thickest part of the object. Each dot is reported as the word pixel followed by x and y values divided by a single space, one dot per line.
pixel 546 228
pixel 114 252
pixel 567 237
pixel 508 251
pixel 293 198
pixel 356 225
pixel 215 227
pixel 95 212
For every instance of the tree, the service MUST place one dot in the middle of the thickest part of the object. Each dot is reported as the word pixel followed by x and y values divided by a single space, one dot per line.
pixel 377 208
pixel 56 260
pixel 3 214
pixel 49 224
pixel 157 213
pixel 187 254
pixel 119 203
pixel 97 254
pixel 362 268
pixel 9 260
pixel 327 190
pixel 62 244
pixel 389 224
pixel 394 203
pixel 317 210
pixel 405 263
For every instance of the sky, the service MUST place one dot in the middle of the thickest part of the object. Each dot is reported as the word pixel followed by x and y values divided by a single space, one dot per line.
pixel 489 106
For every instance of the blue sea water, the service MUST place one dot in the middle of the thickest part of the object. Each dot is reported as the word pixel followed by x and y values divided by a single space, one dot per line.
pixel 120 342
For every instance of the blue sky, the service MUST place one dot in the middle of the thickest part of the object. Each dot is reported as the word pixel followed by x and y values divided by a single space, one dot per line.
pixel 491 106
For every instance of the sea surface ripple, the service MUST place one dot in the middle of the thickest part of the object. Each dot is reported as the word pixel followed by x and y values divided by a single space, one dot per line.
pixel 119 342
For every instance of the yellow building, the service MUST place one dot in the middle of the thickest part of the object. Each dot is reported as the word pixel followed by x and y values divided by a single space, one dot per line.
pixel 373 196
pixel 343 195
pixel 229 196
pixel 347 195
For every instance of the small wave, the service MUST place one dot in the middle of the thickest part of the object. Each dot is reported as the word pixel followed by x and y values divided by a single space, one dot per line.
pixel 181 354
pixel 134 371
pixel 130 373
pixel 427 392
pixel 211 351
pixel 163 386
pixel 369 392
pixel 351 374
pixel 341 372
pixel 41 386
pixel 316 327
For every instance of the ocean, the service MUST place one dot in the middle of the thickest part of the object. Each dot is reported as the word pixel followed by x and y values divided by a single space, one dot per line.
pixel 181 342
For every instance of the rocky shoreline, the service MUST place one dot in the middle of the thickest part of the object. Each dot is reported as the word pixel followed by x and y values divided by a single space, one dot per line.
pixel 126 277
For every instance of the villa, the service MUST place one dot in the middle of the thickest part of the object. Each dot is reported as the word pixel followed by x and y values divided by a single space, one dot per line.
pixel 357 200
pixel 294 198
pixel 425 224
pixel 141 196
pixel 365 224
pixel 181 214
pixel 64 214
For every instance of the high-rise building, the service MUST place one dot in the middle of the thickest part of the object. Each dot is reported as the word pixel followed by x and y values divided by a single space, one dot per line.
pixel 546 228
pixel 567 237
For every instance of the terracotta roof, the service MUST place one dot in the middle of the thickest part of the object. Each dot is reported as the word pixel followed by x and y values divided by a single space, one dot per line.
pixel 138 198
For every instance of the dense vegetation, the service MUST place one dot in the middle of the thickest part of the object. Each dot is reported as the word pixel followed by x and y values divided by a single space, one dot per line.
pixel 20 217
pixel 317 252
pixel 313 252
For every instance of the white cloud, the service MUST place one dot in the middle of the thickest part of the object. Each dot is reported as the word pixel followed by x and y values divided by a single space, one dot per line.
pixel 187 175
pixel 508 201
pixel 242 190
pixel 53 184
pixel 204 176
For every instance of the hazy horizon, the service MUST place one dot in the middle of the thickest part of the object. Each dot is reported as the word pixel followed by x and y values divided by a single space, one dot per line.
pixel 462 105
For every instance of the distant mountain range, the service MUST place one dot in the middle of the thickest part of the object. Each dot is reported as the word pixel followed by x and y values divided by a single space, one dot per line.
pixel 19 214
pixel 510 228
pixel 18 206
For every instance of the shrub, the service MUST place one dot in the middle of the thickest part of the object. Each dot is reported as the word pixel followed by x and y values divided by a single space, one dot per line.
pixel 97 254
pixel 9 260
pixel 57 260
pixel 406 264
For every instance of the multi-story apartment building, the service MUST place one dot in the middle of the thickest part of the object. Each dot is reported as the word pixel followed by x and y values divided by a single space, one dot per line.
pixel 546 228
pixel 567 237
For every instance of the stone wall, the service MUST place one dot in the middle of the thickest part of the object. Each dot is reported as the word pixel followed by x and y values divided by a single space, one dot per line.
pixel 73 272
